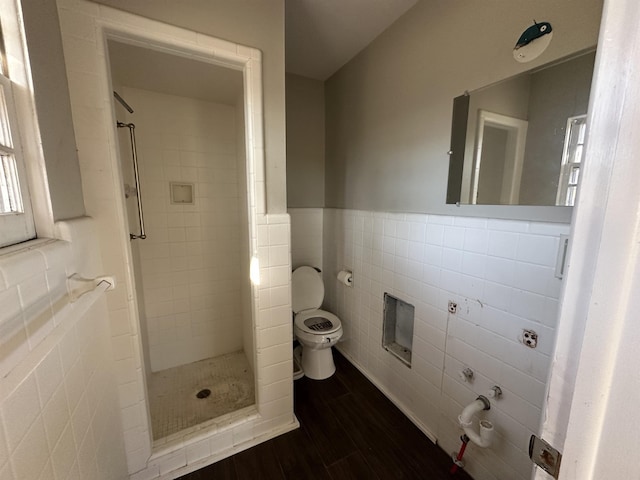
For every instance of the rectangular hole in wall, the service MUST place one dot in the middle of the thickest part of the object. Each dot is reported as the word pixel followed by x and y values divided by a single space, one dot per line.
pixel 397 330
pixel 182 193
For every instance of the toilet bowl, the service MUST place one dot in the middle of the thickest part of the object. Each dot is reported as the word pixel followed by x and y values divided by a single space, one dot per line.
pixel 317 330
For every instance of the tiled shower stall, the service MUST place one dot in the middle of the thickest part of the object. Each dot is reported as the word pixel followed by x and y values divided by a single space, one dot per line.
pixel 84 26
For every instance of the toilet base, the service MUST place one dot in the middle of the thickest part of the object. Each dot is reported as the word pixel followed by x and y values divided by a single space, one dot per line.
pixel 317 364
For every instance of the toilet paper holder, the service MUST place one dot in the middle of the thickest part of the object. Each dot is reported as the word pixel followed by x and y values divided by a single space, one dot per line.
pixel 346 277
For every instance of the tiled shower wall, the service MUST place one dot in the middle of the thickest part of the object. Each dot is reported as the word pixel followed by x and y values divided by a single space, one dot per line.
pixel 501 275
pixel 191 256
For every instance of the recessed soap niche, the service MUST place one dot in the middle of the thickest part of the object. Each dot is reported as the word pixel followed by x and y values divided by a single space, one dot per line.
pixel 182 193
pixel 397 328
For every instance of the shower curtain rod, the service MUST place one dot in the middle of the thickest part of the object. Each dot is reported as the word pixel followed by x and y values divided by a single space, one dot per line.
pixel 122 102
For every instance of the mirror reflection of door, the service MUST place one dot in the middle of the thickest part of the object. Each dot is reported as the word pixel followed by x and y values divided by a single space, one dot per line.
pixel 500 151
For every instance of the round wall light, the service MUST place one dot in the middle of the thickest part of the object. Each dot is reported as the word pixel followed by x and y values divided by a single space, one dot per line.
pixel 533 41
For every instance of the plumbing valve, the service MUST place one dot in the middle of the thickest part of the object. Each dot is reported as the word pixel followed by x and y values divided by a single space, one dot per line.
pixel 494 392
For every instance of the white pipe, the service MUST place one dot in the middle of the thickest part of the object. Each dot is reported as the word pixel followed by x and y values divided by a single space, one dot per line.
pixel 485 437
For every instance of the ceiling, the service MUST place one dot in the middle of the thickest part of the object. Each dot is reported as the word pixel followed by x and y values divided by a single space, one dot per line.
pixel 148 69
pixel 323 35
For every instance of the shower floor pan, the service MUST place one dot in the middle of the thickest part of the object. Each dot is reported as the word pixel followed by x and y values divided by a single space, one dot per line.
pixel 188 395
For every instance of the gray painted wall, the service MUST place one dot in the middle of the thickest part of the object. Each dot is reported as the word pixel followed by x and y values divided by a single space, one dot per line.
pixel 556 94
pixel 53 107
pixel 389 109
pixel 255 23
pixel 305 142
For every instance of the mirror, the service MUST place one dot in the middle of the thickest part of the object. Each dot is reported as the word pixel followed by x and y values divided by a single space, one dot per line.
pixel 520 141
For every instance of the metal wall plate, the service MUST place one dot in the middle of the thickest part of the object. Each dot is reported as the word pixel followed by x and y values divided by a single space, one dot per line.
pixel 545 456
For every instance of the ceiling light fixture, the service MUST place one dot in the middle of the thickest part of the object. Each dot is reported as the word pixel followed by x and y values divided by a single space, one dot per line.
pixel 533 41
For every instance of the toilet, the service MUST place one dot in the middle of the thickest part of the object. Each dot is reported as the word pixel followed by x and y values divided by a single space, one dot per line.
pixel 317 330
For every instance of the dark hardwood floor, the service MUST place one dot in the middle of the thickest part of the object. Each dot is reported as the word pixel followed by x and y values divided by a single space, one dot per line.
pixel 348 430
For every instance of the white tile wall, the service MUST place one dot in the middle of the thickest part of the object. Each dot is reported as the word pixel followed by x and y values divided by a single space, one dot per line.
pixel 58 410
pixel 82 25
pixel 501 275
pixel 191 256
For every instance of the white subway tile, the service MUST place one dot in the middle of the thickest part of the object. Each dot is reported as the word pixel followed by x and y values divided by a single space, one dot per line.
pixel 538 249
pixel 273 373
pixel 280 296
pixel 471 222
pixel 402 248
pixel 440 220
pixel 221 442
pixel 56 415
pixel 172 461
pixel 476 240
pixel 432 275
pixel 137 461
pixel 64 454
pixel 450 281
pixel 402 230
pixel 502 244
pixel 500 271
pixel 19 411
pixel 4 450
pixel 552 229
pixel 474 264
pixel 508 225
pixel 454 237
pixel 278 234
pixel 433 255
pixel 498 296
pixel 435 234
pixel 87 453
pixel 533 278
pixel 18 267
pixel 30 456
pixel 522 385
pixel 452 259
pixel 198 451
pixel 11 311
pixel 471 287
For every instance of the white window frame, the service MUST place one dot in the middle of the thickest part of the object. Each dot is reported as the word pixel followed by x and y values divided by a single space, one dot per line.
pixel 36 218
pixel 568 152
pixel 15 227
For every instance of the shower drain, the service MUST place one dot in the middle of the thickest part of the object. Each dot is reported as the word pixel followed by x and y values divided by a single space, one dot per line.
pixel 204 393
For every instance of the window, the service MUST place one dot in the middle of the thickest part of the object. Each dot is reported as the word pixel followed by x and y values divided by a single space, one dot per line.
pixel 16 218
pixel 571 160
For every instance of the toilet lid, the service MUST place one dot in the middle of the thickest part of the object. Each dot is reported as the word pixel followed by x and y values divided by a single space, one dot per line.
pixel 307 289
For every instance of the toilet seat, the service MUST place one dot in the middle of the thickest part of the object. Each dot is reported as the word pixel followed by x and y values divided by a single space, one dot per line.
pixel 306 322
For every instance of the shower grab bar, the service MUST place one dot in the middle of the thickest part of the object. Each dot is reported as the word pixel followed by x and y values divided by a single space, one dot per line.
pixel 136 175
pixel 122 102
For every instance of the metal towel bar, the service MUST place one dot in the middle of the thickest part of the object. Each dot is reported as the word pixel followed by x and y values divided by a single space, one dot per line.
pixel 134 155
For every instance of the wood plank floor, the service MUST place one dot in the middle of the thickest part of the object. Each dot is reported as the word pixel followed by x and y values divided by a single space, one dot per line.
pixel 349 430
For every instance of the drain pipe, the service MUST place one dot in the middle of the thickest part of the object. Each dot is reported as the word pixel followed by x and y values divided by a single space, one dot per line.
pixel 457 459
pixel 485 437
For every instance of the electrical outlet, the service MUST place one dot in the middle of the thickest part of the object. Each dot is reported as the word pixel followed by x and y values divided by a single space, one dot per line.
pixel 453 307
pixel 545 456
pixel 530 338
